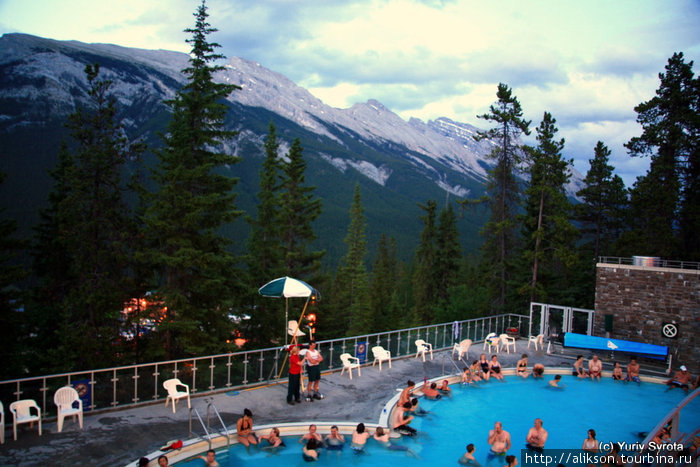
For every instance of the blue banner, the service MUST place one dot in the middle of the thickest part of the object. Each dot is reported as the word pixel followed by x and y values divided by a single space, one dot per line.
pixel 601 343
pixel 84 389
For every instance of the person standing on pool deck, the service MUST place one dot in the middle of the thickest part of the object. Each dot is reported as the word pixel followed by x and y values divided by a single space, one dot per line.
pixel 499 440
pixel 313 370
pixel 536 437
pixel 294 375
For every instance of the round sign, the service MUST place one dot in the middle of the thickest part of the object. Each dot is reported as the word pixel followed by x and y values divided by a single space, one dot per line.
pixel 669 330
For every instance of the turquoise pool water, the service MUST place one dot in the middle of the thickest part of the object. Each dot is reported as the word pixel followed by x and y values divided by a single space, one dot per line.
pixel 616 410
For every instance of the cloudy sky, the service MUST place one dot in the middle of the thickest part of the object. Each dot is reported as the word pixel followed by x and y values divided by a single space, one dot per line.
pixel 587 62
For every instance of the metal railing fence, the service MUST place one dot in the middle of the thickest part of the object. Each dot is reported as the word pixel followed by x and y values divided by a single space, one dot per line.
pixel 649 261
pixel 132 385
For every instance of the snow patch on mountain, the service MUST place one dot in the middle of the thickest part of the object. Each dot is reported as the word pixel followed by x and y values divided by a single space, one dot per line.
pixel 377 174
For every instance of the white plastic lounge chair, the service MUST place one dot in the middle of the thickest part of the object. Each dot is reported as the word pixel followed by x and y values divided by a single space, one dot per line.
pixel 174 394
pixel 491 342
pixel 422 347
pixel 350 362
pixel 22 413
pixel 381 355
pixel 507 342
pixel 462 348
pixel 293 329
pixel 538 340
pixel 68 403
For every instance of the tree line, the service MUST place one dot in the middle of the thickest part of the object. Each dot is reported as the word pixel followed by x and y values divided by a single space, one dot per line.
pixel 166 260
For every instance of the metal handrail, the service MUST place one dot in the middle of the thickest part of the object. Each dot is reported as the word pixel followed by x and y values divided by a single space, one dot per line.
pixel 673 416
pixel 225 431
pixel 201 422
pixel 133 385
pixel 657 262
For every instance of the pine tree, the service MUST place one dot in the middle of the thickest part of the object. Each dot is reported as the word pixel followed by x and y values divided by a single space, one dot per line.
pixel 449 253
pixel 547 230
pixel 84 241
pixel 264 258
pixel 425 277
pixel 603 203
pixel 670 129
pixel 384 287
pixel 299 210
pixel 352 273
pixel 502 187
pixel 195 269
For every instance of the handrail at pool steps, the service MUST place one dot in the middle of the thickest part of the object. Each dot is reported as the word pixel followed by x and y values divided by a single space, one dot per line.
pixel 140 384
pixel 673 417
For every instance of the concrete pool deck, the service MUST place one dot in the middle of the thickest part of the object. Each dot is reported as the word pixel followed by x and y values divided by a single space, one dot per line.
pixel 119 437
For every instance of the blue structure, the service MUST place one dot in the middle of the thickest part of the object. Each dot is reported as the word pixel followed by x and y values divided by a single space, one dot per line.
pixel 615 345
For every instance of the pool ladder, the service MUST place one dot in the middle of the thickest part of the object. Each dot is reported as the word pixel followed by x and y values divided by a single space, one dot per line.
pixel 207 428
pixel 450 358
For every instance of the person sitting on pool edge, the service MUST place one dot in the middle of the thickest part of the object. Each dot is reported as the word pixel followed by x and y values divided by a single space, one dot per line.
pixel 485 367
pixel 468 457
pixel 382 438
pixel 617 372
pixel 633 370
pixel 334 441
pixel 244 429
pixel 310 450
pixel 495 368
pixel 538 371
pixel 681 379
pixel 359 438
pixel 406 393
pixel 499 440
pixel 521 367
pixel 595 367
pixel 466 375
pixel 401 418
pixel 577 369
pixel 475 370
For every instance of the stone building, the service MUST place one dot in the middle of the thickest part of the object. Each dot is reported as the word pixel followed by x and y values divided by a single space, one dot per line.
pixel 647 302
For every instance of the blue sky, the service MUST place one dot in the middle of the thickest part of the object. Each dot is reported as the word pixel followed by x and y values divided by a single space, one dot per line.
pixel 589 63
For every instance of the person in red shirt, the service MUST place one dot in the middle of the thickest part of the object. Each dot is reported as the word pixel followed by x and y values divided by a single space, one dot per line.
pixel 295 364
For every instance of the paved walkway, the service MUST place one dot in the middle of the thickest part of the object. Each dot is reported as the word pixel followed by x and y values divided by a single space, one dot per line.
pixel 119 437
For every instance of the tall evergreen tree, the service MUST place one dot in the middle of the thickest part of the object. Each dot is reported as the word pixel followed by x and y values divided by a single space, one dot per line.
pixel 195 269
pixel 670 130
pixel 265 255
pixel 352 273
pixel 549 235
pixel 425 278
pixel 299 210
pixel 603 204
pixel 502 187
pixel 384 287
pixel 84 240
pixel 449 253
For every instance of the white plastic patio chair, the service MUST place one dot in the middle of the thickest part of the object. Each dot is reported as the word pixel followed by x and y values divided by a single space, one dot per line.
pixel 381 355
pixel 293 329
pixel 22 413
pixel 538 340
pixel 507 342
pixel 350 362
pixel 68 403
pixel 2 424
pixel 422 347
pixel 491 342
pixel 174 394
pixel 462 348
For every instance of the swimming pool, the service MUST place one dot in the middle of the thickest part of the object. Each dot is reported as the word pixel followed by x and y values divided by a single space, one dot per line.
pixel 616 410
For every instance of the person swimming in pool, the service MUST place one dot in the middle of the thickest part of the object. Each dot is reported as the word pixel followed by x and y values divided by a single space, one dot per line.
pixel 273 439
pixel 430 390
pixel 382 438
pixel 499 440
pixel 310 450
pixel 334 441
pixel 468 457
pixel 359 438
pixel 416 410
pixel 538 371
pixel 401 418
pixel 554 383
pixel 536 437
